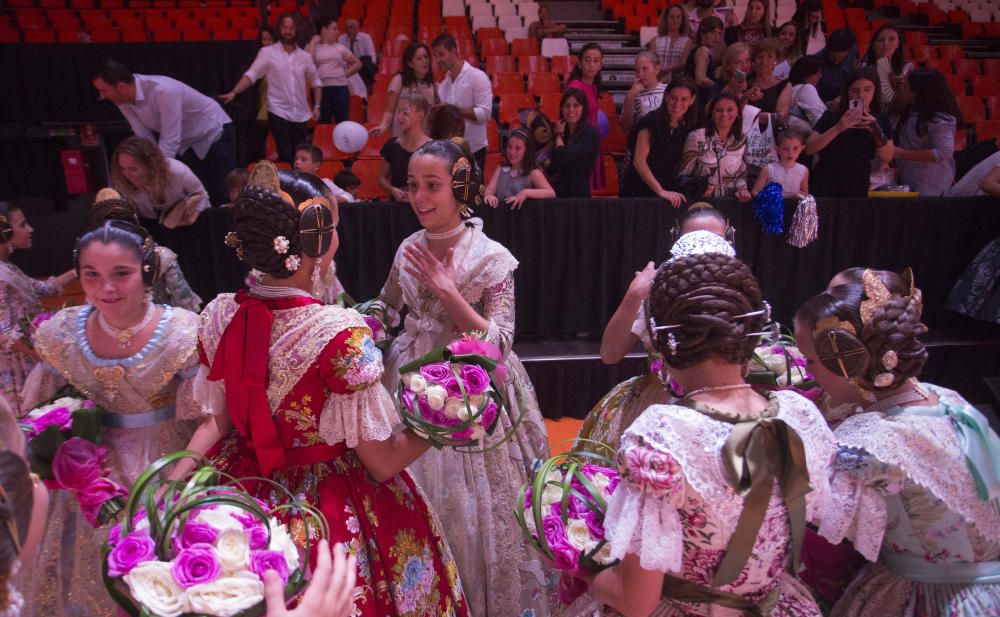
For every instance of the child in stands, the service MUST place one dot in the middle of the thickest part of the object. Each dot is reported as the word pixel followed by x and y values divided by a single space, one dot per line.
pixel 788 172
pixel 309 158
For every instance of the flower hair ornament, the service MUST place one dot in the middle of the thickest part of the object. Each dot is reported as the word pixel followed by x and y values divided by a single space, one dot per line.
pixel 878 295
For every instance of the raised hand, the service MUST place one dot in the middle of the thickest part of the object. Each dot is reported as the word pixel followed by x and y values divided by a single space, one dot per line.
pixel 437 275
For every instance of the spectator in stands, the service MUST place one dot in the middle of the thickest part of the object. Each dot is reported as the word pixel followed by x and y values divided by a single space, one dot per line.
pixel 646 92
pixel 545 28
pixel 289 71
pixel 361 45
pixel 715 153
pixel 309 159
pixel 791 49
pixel 190 126
pixel 925 154
pixel 702 63
pixel 659 141
pixel 673 41
pixel 519 179
pixel 812 27
pixel 236 179
pixel 446 122
pixel 787 171
pixel 396 153
pixel 267 38
pixel 806 106
pixel 756 25
pixel 982 179
pixel 703 9
pixel 335 64
pixel 765 90
pixel 885 56
pixel 350 183
pixel 415 77
pixel 468 89
pixel 849 139
pixel 165 191
pixel 577 147
pixel 733 72
pixel 838 59
pixel 586 77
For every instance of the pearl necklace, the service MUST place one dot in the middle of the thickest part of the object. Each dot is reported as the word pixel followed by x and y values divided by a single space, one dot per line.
pixel 276 291
pixel 734 386
pixel 446 234
pixel 910 396
pixel 124 335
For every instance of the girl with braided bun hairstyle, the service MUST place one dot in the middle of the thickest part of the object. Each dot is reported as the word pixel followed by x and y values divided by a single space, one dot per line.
pixel 716 488
pixel 453 279
pixel 299 381
pixel 20 294
pixel 171 287
pixel 917 473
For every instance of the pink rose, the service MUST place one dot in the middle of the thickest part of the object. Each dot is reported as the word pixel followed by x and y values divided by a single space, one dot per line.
pixel 476 379
pixel 470 345
pixel 258 537
pixel 93 498
pixel 262 561
pixel 452 388
pixel 77 464
pixel 60 417
pixel 375 326
pixel 88 404
pixel 195 532
pixel 41 318
pixel 195 565
pixel 654 472
pixel 129 552
pixel 436 373
pixel 462 435
pixel 489 414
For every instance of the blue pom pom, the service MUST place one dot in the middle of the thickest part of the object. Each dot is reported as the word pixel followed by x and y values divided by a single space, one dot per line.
pixel 769 208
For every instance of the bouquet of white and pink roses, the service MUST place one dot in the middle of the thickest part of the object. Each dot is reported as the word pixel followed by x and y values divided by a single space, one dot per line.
pixel 201 547
pixel 375 315
pixel 64 436
pixel 451 397
pixel 29 323
pixel 562 510
pixel 779 365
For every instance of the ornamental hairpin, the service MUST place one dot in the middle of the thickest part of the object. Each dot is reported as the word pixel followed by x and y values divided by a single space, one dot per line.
pixel 466 186
pixel 877 293
pixel 233 241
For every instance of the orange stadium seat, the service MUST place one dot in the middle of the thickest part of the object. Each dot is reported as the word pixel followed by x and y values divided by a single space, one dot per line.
pixel 507 83
pixel 532 64
pixel 540 83
pixel 368 172
pixel 509 106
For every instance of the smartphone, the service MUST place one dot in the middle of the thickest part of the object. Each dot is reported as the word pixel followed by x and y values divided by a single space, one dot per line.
pixel 740 76
pixel 854 105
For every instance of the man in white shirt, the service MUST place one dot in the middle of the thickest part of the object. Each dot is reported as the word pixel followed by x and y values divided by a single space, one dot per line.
pixel 289 70
pixel 469 90
pixel 184 123
pixel 361 45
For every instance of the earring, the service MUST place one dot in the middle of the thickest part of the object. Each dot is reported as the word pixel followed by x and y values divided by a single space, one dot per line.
pixel 317 288
pixel 672 343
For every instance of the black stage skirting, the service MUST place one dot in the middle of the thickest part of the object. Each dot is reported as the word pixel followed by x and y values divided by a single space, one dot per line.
pixel 578 256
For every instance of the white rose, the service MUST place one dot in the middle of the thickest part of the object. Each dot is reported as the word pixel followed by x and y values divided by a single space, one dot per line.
pixel 453 407
pixel 436 396
pixel 554 475
pixel 600 482
pixel 417 383
pixel 552 494
pixel 152 586
pixel 529 520
pixel 776 363
pixel 219 519
pixel 283 543
pixel 477 401
pixel 227 596
pixel 463 413
pixel 577 533
pixel 603 556
pixel 232 549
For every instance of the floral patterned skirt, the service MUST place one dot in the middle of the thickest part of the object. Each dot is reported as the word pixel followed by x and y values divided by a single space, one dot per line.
pixel 405 568
pixel 977 292
pixel 620 407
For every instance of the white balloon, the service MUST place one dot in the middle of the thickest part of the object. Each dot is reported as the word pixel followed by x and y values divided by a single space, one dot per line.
pixel 350 136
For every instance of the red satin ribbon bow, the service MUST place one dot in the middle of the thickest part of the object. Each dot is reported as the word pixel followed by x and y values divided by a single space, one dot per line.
pixel 241 361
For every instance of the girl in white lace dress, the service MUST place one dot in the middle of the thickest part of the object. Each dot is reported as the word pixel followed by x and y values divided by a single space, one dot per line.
pixel 917 473
pixel 715 489
pixel 454 279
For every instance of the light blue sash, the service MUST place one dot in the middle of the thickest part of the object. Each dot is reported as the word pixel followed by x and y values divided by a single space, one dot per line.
pixel 917 569
pixel 138 420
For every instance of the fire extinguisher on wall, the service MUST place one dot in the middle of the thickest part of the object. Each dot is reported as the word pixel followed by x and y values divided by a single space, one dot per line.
pixel 75 172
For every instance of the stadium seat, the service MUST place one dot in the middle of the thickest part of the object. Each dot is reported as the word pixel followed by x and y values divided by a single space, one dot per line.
pixel 972 108
pixel 509 106
pixel 329 169
pixel 532 64
pixel 492 137
pixel 563 65
pixel 611 177
pixel 507 83
pixel 373 146
pixel 985 85
pixel 323 139
pixel 549 105
pixel 499 64
pixel 987 129
pixel 493 161
pixel 524 47
pixel 541 83
pixel 368 172
pixel 493 47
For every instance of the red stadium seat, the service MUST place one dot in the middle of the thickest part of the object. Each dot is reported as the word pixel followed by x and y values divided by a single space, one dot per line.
pixel 499 64
pixel 540 83
pixel 532 64
pixel 509 106
pixel 507 83
pixel 368 172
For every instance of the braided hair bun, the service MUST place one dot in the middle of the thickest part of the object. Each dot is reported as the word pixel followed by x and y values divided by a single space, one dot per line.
pixel 261 216
pixel 701 295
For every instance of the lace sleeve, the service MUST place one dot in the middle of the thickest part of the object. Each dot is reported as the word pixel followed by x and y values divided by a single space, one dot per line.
pixel 48 287
pixel 178 292
pixel 10 332
pixel 498 309
pixel 642 516
pixel 41 384
pixel 359 408
pixel 390 299
pixel 857 509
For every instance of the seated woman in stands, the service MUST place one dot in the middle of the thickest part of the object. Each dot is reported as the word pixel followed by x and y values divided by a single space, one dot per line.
pixel 715 153
pixel 849 139
pixel 396 153
pixel 577 146
pixel 520 178
pixel 925 156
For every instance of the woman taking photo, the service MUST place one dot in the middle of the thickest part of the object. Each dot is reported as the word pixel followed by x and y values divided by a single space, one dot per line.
pixel 791 49
pixel 673 41
pixel 885 56
pixel 519 179
pixel 925 156
pixel 715 153
pixel 659 145
pixel 849 139
pixel 20 305
pixel 453 279
pixel 755 27
pixel 577 147
pixel 410 114
pixel 416 77
pixel 586 77
pixel 165 191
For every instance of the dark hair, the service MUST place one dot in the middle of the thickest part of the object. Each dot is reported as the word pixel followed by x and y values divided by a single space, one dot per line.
pixel 931 96
pixel 868 73
pixel 260 216
pixel 766 20
pixel 447 122
pixel 737 130
pixel 287 15
pixel 528 162
pixel 122 232
pixel 314 152
pixel 581 98
pixel 347 180
pixel 409 77
pixel 709 24
pixel 679 81
pixel 116 209
pixel 702 295
pixel 323 22
pixel 896 60
pixel 301 185
pixel 269 30
pixel 6 229
pixel 789 133
pixel 894 327
pixel 577 72
pixel 113 72
pixel 661 28
pixel 449 150
pixel 237 178
pixel 445 40
pixel 804 68
pixel 841 39
pixel 700 210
